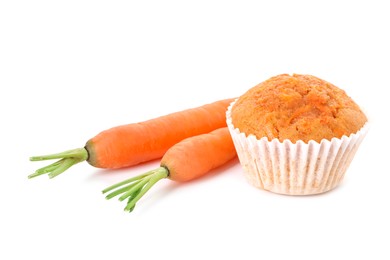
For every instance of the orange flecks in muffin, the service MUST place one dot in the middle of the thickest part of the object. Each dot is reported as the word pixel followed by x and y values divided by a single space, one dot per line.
pixel 297 107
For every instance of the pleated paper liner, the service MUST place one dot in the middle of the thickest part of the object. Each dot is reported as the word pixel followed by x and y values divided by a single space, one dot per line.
pixel 295 169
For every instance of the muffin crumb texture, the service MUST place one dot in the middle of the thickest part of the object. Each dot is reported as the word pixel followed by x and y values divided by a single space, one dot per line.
pixel 297 107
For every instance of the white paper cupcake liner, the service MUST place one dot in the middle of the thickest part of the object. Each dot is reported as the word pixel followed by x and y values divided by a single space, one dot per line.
pixel 294 169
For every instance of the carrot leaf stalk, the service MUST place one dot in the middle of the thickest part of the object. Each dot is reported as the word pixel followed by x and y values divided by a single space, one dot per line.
pixel 134 188
pixel 67 159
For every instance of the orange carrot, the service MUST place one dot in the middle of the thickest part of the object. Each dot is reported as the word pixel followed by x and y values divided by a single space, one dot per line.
pixel 187 160
pixel 135 143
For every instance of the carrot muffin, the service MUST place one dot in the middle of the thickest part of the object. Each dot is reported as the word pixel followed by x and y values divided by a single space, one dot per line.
pixel 296 134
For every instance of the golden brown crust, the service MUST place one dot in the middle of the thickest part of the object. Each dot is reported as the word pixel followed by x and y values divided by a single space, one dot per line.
pixel 297 107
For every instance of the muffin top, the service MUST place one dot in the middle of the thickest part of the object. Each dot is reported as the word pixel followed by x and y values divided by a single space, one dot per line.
pixel 297 107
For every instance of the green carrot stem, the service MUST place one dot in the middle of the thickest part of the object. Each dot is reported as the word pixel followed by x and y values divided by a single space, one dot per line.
pixel 67 163
pixel 67 159
pixel 158 176
pixel 46 169
pixel 112 187
pixel 76 153
pixel 138 187
pixel 122 190
pixel 50 167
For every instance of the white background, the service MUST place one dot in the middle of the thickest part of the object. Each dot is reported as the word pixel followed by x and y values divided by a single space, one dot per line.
pixel 70 69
